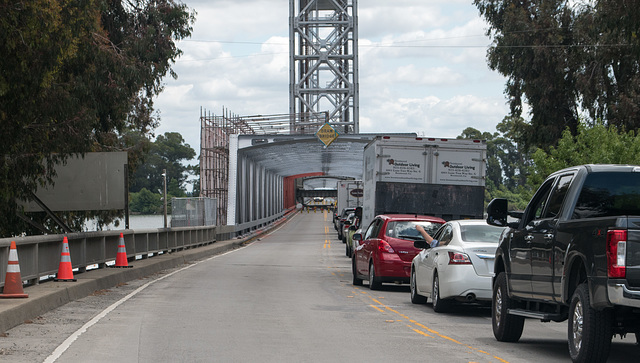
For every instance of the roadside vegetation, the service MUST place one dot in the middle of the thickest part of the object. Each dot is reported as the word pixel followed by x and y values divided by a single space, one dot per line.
pixel 79 77
pixel 573 71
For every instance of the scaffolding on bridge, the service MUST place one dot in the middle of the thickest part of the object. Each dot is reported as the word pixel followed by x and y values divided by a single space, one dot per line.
pixel 215 132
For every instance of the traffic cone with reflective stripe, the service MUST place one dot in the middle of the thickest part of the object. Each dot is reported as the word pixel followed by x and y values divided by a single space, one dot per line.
pixel 65 271
pixel 13 279
pixel 121 257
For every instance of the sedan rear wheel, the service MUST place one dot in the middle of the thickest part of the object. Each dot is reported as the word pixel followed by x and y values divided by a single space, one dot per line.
pixel 374 282
pixel 439 305
pixel 356 280
pixel 415 297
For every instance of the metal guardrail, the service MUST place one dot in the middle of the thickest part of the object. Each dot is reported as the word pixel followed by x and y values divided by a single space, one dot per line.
pixel 39 256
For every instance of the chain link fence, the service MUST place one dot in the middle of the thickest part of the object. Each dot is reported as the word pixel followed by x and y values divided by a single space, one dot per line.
pixel 188 212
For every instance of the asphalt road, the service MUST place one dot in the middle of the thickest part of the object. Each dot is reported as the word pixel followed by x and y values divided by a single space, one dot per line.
pixel 285 298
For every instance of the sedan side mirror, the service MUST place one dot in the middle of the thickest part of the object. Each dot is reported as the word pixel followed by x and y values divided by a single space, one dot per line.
pixel 357 237
pixel 421 244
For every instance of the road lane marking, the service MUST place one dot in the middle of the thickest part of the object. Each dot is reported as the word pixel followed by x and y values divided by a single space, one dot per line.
pixel 383 308
pixel 57 353
pixel 420 332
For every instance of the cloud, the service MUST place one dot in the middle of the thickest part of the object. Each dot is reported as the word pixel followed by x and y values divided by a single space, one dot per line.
pixel 422 67
pixel 432 116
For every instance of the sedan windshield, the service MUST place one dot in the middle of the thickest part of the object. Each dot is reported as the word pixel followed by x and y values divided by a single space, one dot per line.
pixel 480 233
pixel 407 229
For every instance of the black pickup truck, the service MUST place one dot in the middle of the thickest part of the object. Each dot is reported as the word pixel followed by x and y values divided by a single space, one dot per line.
pixel 574 253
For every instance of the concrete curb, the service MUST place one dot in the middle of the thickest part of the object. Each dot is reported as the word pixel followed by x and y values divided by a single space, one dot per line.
pixel 51 295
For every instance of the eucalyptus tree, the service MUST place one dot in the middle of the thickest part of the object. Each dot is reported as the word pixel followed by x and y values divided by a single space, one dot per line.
pixel 75 76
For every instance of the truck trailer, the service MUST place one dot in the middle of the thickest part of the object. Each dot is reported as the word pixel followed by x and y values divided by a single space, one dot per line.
pixel 422 175
pixel 349 194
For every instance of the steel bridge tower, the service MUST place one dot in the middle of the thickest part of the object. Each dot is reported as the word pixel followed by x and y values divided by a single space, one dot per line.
pixel 323 51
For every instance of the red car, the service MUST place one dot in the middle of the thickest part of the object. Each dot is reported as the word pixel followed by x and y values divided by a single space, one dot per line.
pixel 385 251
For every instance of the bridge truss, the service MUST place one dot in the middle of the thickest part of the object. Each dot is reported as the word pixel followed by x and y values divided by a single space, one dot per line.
pixel 323 47
pixel 215 132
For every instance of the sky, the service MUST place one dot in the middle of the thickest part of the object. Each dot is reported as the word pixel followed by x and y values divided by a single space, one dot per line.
pixel 422 66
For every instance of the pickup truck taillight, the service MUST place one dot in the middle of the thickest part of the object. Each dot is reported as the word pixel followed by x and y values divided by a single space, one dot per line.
pixel 616 253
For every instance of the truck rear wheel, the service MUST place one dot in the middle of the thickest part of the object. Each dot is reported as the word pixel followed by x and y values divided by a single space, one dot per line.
pixel 506 327
pixel 590 330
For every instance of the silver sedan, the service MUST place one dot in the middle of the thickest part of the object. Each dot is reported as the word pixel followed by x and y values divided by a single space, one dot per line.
pixel 459 268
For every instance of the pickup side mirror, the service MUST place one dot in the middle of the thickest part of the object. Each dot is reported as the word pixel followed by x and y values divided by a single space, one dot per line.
pixel 497 212
pixel 421 244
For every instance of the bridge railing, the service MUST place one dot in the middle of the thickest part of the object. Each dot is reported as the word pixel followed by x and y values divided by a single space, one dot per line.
pixel 40 256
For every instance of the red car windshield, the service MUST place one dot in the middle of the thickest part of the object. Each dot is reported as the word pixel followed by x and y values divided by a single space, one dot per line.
pixel 407 229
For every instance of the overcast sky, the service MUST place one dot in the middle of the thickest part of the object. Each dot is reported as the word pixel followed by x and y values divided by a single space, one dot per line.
pixel 422 67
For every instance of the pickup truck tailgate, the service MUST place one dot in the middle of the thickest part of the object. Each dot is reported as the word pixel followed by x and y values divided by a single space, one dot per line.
pixel 633 255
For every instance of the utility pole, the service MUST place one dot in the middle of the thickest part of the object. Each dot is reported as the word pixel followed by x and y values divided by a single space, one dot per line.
pixel 164 195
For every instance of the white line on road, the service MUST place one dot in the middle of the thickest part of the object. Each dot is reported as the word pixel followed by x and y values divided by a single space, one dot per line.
pixel 57 353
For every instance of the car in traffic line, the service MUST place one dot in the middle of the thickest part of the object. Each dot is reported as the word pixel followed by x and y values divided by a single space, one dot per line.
pixel 341 218
pixel 459 269
pixel 385 251
pixel 346 225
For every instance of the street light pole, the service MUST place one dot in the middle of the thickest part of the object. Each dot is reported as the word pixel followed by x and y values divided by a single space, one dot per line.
pixel 164 183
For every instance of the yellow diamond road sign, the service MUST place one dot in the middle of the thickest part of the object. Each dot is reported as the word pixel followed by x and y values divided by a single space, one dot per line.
pixel 327 134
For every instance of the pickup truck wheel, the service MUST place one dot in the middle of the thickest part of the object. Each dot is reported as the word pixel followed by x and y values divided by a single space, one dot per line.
pixel 506 327
pixel 374 282
pixel 415 297
pixel 356 280
pixel 590 330
pixel 439 305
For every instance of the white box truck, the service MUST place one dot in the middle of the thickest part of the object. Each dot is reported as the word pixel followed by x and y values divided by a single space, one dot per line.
pixel 422 175
pixel 350 195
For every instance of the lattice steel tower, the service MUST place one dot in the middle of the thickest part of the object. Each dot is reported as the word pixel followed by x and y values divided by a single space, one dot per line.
pixel 323 46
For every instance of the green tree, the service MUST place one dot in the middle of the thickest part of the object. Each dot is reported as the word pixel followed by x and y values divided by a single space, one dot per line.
pixel 146 202
pixel 561 56
pixel 532 48
pixel 506 163
pixel 77 76
pixel 609 79
pixel 169 152
pixel 592 145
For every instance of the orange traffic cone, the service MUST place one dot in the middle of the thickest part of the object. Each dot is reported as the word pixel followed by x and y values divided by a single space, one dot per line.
pixel 121 257
pixel 65 271
pixel 13 279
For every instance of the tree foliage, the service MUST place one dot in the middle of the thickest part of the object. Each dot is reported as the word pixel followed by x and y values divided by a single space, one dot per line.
pixel 507 163
pixel 561 57
pixel 609 74
pixel 75 77
pixel 597 144
pixel 531 41
pixel 167 152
